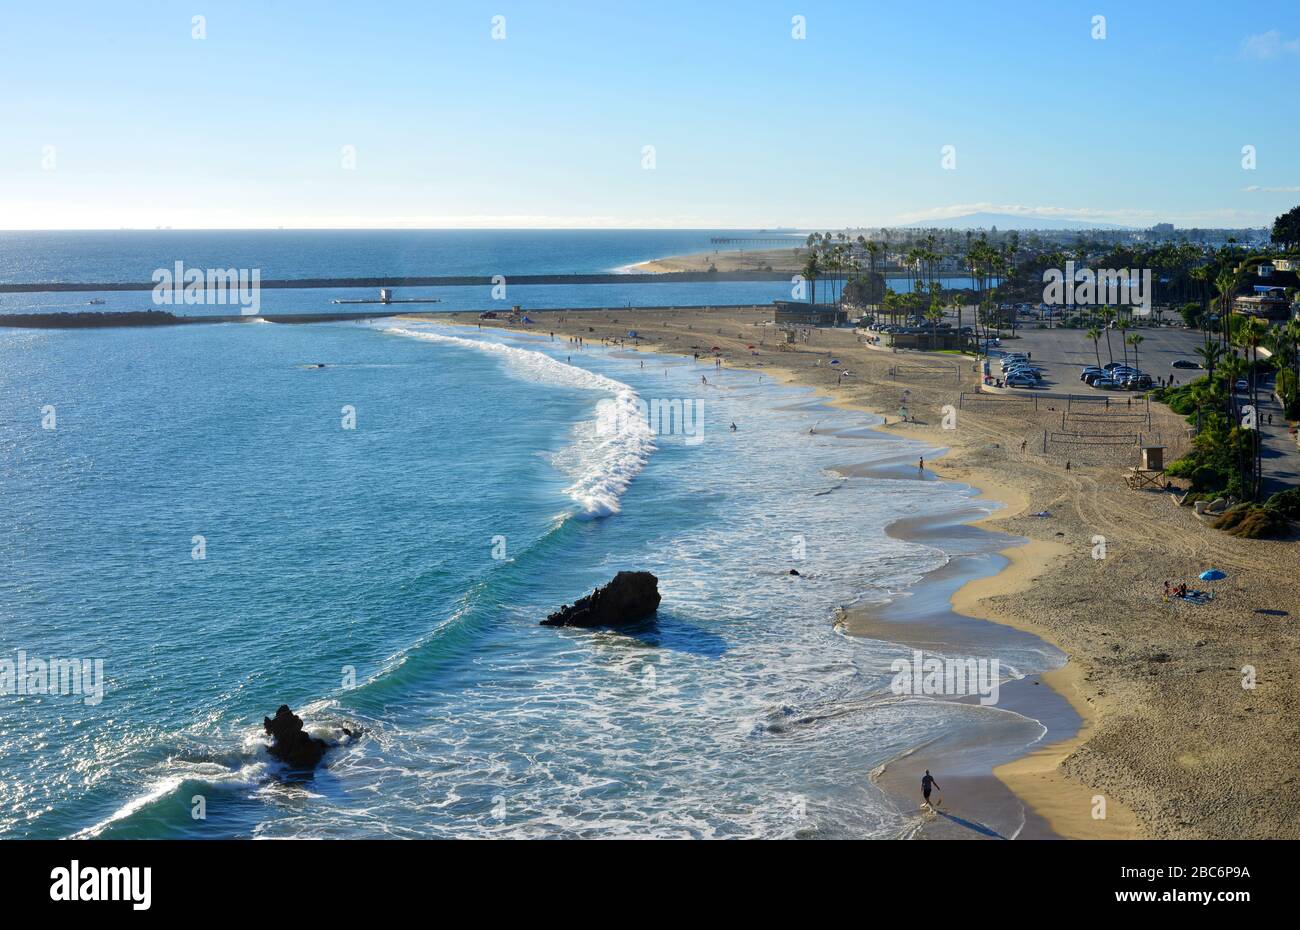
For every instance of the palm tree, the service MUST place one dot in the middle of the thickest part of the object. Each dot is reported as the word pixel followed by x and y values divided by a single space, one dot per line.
pixel 1210 354
pixel 1095 335
pixel 1292 333
pixel 1108 314
pixel 913 269
pixel 811 269
pixel 1201 275
pixel 1250 336
pixel 1122 326
pixel 933 315
pixel 873 252
pixel 890 304
pixel 1135 340
pixel 1227 282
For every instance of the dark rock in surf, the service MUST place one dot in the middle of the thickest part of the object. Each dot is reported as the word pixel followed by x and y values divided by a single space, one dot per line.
pixel 290 743
pixel 629 598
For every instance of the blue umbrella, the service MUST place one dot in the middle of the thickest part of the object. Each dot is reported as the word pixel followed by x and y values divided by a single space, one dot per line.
pixel 1212 574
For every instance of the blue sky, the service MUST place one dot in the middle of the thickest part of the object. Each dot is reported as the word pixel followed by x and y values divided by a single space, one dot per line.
pixel 113 115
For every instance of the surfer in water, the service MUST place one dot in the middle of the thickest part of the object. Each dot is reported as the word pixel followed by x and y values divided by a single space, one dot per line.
pixel 927 782
pixel 733 426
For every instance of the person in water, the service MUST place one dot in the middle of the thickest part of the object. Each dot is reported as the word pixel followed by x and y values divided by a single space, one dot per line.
pixel 733 426
pixel 927 781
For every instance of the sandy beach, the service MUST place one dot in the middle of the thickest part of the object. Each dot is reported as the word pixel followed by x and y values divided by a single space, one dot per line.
pixel 788 260
pixel 1185 712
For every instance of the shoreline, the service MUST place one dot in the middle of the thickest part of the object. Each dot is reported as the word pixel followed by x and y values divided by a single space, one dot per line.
pixel 1032 775
pixel 1035 776
pixel 1177 734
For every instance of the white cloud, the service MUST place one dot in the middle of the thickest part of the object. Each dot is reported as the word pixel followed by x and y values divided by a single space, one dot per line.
pixel 1268 45
pixel 1257 189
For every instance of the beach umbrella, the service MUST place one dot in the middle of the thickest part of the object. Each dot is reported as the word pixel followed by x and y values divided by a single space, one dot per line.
pixel 1212 574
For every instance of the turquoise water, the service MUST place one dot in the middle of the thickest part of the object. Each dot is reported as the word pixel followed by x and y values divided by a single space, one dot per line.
pixel 366 555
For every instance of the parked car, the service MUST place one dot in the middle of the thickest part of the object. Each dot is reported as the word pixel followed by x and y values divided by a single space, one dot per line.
pixel 1138 383
pixel 1024 373
pixel 1242 385
pixel 1019 380
pixel 1106 384
pixel 1185 363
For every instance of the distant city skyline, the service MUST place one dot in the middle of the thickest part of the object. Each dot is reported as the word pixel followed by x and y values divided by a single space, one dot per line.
pixel 576 115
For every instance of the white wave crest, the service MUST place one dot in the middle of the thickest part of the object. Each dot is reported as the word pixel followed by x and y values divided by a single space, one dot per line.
pixel 608 452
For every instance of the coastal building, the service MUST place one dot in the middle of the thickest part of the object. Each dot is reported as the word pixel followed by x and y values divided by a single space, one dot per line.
pixel 1270 303
pixel 1269 287
pixel 790 313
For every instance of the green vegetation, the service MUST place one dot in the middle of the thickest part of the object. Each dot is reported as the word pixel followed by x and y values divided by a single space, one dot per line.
pixel 1221 459
pixel 1286 229
pixel 1287 503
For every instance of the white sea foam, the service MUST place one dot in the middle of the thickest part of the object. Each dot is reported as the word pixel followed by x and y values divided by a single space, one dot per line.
pixel 602 461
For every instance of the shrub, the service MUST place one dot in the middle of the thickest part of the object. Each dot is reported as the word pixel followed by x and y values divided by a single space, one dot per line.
pixel 1287 503
pixel 1206 478
pixel 1251 521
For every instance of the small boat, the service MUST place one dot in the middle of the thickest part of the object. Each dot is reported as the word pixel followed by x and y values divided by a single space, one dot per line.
pixel 96 301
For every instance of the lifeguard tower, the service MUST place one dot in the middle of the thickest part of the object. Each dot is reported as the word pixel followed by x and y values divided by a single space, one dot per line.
pixel 1151 472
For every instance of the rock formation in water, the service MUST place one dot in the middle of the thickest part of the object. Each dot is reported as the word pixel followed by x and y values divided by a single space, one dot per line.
pixel 629 598
pixel 290 743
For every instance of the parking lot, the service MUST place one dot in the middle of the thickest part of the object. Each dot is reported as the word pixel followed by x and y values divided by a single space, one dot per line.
pixel 1064 353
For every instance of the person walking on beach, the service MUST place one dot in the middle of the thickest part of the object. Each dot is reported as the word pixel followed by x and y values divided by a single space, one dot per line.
pixel 920 463
pixel 927 782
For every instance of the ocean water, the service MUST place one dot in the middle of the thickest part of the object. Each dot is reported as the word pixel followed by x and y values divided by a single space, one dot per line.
pixel 392 576
pixel 132 256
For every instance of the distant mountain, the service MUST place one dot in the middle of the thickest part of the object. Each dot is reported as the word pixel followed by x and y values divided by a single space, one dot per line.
pixel 1009 221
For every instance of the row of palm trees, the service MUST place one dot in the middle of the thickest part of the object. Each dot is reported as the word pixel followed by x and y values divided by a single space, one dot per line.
pixel 833 256
pixel 1135 340
pixel 1235 331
